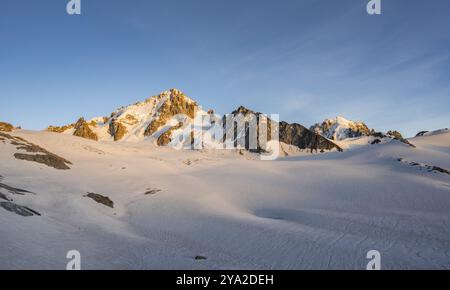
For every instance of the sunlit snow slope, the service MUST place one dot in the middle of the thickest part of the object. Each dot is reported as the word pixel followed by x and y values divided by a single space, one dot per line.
pixel 305 212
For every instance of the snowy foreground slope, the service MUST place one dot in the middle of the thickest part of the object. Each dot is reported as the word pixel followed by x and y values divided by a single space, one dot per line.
pixel 305 212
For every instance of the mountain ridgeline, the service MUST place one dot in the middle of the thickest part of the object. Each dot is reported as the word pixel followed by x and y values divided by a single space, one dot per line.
pixel 165 118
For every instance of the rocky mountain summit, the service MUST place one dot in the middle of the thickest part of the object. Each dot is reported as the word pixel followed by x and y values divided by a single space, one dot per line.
pixel 136 122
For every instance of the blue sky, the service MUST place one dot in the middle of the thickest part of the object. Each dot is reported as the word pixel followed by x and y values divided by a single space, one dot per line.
pixel 304 59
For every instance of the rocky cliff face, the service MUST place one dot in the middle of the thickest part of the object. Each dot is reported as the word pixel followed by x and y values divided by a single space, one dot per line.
pixel 83 130
pixel 176 103
pixel 298 135
pixel 290 134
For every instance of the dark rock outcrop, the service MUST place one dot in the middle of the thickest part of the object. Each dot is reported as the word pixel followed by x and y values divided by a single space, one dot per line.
pixel 421 133
pixel 398 136
pixel 18 209
pixel 49 160
pixel 42 155
pixel 291 134
pixel 101 199
pixel 395 134
pixel 13 190
pixel 376 141
pixel 117 130
pixel 298 135
pixel 429 168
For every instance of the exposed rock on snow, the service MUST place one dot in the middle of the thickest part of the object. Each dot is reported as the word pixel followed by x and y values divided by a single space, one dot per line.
pixel 152 191
pixel 9 205
pixel 421 133
pixel 395 134
pixel 13 190
pixel 398 136
pixel 117 129
pixel 49 160
pixel 83 130
pixel 429 168
pixel 376 141
pixel 60 129
pixel 43 156
pixel 295 134
pixel 6 127
pixel 18 209
pixel 101 199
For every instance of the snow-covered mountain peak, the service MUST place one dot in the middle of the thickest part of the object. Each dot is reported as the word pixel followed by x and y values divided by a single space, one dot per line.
pixel 135 122
pixel 340 128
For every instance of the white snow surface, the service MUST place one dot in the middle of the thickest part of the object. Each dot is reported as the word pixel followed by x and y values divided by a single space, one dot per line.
pixel 303 212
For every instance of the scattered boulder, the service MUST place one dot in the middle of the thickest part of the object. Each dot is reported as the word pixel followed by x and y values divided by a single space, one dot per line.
pixel 200 258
